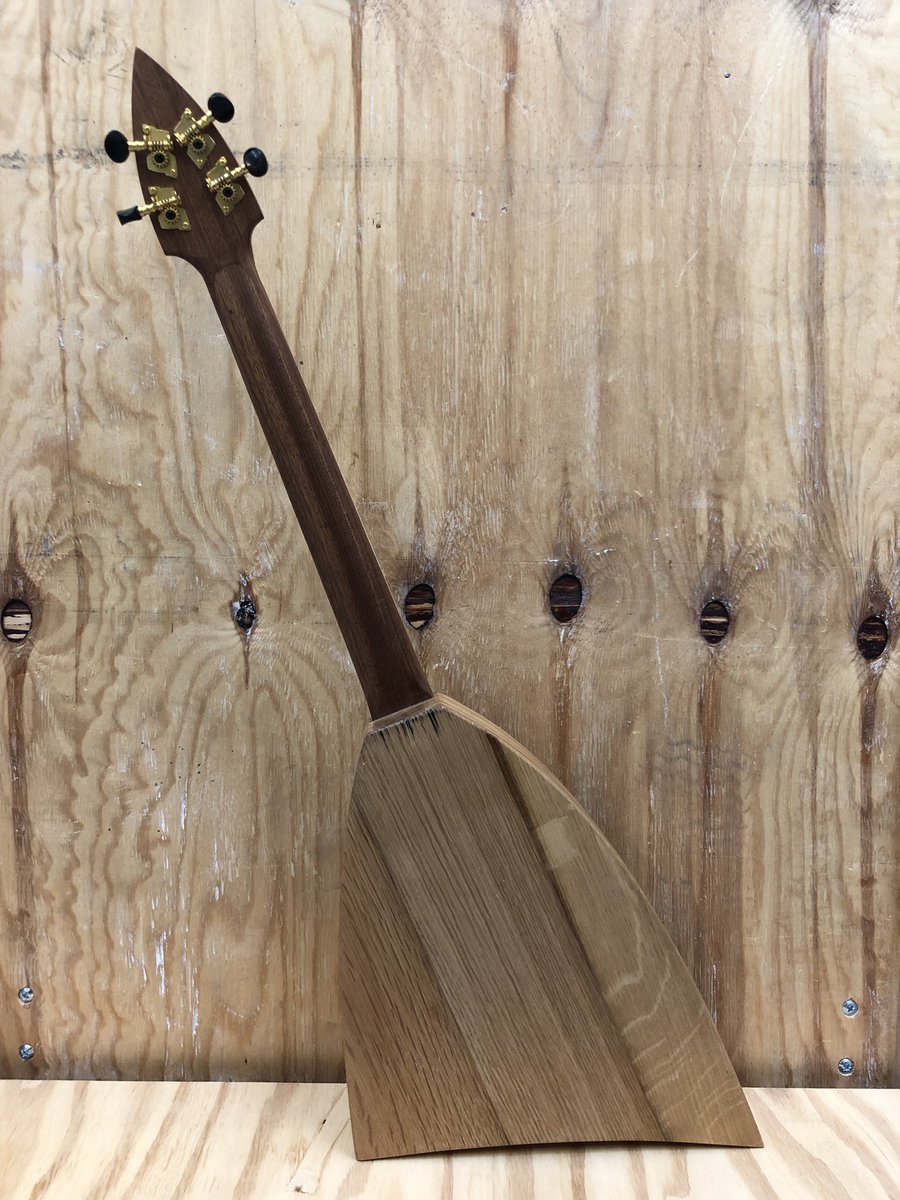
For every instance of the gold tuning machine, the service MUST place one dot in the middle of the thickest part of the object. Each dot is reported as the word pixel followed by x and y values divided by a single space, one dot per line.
pixel 165 203
pixel 189 131
pixel 222 179
pixel 156 142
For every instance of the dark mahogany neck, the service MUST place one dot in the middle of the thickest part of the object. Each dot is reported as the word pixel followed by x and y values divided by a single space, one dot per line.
pixel 218 245
pixel 387 666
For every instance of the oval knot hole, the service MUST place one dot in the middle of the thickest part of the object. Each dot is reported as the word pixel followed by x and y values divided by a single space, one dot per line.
pixel 566 597
pixel 16 620
pixel 714 622
pixel 245 613
pixel 872 637
pixel 418 606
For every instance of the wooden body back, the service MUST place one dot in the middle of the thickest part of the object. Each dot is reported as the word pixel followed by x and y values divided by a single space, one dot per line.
pixel 504 980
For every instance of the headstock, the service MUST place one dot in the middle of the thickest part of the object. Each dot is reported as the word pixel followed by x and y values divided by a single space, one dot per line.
pixel 197 196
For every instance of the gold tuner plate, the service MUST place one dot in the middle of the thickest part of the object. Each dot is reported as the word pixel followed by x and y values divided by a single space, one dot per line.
pixel 189 134
pixel 158 144
pixel 166 203
pixel 222 182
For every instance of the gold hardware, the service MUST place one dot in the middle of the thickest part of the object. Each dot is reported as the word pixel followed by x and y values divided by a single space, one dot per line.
pixel 189 130
pixel 222 182
pixel 165 203
pixel 158 144
pixel 189 134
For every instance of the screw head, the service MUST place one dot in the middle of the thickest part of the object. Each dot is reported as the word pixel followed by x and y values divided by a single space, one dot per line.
pixel 26 1052
pixel 845 1066
pixel 849 1008
pixel 26 995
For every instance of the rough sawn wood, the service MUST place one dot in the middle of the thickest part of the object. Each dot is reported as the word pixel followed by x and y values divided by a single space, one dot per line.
pixel 504 980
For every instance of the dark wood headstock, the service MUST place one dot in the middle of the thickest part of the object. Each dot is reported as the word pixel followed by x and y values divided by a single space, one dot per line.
pixel 214 239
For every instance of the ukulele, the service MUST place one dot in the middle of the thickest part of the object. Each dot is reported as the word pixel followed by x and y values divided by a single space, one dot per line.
pixel 504 980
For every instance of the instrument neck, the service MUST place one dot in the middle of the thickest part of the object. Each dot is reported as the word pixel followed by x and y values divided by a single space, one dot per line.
pixel 386 663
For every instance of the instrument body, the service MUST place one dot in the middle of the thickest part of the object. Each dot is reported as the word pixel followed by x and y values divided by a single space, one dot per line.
pixel 504 980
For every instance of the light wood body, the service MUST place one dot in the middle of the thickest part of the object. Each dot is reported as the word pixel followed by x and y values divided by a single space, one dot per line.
pixel 503 979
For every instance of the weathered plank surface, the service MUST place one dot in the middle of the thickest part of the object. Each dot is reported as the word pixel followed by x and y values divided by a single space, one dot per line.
pixel 66 1140
pixel 606 288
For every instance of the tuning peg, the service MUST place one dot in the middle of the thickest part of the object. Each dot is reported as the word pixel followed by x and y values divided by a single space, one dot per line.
pixel 165 202
pixel 189 130
pixel 222 179
pixel 157 143
pixel 221 108
pixel 256 162
pixel 116 145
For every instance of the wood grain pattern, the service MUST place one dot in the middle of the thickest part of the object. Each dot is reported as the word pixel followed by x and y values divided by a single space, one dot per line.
pixel 556 279
pixel 69 1141
pixel 504 981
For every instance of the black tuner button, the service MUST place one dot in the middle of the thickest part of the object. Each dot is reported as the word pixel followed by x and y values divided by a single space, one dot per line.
pixel 127 215
pixel 221 107
pixel 256 162
pixel 116 145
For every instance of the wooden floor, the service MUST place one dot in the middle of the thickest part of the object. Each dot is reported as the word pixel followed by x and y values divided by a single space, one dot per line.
pixel 577 286
pixel 258 1141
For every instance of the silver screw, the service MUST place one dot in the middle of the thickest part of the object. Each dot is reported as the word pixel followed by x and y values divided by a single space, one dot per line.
pixel 845 1066
pixel 26 1052
pixel 26 995
pixel 850 1008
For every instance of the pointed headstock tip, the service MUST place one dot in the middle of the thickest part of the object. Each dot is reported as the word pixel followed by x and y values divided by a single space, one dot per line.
pixel 207 229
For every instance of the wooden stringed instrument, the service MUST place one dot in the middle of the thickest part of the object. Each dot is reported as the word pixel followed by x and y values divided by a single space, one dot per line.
pixel 504 981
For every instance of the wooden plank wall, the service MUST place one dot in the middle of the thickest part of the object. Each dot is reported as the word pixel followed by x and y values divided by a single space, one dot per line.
pixel 601 287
